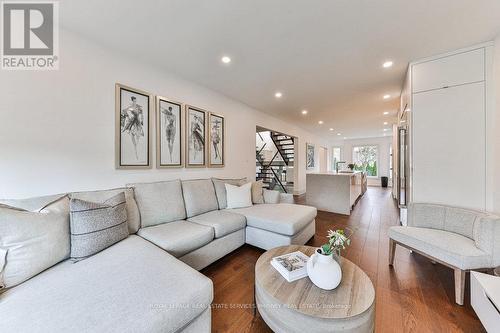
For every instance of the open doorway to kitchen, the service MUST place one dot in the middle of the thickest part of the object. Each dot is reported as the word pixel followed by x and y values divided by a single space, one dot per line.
pixel 275 159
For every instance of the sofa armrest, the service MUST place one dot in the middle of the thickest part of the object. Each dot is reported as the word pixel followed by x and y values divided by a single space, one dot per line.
pixel 487 236
pixel 286 198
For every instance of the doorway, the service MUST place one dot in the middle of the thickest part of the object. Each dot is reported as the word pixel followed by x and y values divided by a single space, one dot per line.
pixel 275 157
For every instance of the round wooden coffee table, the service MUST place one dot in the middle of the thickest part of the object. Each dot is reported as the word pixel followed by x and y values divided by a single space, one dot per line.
pixel 300 306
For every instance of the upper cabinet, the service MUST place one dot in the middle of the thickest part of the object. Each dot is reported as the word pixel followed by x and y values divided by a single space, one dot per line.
pixel 449 71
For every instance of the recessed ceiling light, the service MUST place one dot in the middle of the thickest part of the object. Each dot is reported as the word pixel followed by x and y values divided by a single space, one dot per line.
pixel 385 122
pixel 226 59
pixel 304 111
pixel 339 134
pixel 387 96
pixel 345 137
pixel 331 129
pixel 320 122
pixel 385 129
pixel 387 64
pixel 278 94
pixel 403 121
pixel 386 113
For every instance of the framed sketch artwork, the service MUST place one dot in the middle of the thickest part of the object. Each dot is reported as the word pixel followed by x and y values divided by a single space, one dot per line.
pixel 310 158
pixel 169 126
pixel 196 123
pixel 132 128
pixel 216 140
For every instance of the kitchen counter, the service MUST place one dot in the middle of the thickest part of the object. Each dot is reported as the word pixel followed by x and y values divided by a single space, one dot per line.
pixel 335 192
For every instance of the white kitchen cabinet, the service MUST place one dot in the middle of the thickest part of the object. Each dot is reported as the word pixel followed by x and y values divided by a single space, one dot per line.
pixel 449 146
pixel 448 71
pixel 449 109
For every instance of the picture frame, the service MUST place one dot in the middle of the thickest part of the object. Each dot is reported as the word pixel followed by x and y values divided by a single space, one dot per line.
pixel 169 133
pixel 216 140
pixel 310 156
pixel 133 119
pixel 196 137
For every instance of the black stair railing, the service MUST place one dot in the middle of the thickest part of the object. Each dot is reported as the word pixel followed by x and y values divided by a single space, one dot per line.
pixel 268 167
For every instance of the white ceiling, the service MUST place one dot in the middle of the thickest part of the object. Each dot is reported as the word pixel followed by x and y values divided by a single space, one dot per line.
pixel 324 55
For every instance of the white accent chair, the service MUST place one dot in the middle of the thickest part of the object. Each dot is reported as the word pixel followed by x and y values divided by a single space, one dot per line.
pixel 458 238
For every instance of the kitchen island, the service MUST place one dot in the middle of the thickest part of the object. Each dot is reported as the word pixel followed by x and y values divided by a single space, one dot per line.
pixel 335 192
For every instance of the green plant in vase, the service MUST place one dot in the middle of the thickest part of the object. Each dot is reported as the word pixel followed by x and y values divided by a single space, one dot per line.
pixel 337 241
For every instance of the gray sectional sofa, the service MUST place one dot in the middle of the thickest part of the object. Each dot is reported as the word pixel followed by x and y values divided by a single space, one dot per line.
pixel 148 282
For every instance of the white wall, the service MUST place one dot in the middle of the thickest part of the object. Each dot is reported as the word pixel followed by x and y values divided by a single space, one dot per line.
pixel 383 144
pixel 57 128
pixel 496 129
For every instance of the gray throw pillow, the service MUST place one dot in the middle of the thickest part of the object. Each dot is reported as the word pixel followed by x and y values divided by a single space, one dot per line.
pixel 96 226
pixel 257 193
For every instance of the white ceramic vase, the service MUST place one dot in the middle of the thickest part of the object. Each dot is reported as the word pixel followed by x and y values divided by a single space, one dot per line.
pixel 324 271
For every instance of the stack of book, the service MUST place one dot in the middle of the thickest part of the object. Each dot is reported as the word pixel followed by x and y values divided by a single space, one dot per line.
pixel 291 266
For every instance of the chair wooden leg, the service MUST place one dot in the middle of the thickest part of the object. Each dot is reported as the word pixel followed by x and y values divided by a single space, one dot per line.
pixel 392 250
pixel 459 286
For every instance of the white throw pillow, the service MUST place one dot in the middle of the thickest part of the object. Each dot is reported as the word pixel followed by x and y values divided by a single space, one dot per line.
pixel 271 197
pixel 239 196
pixel 31 242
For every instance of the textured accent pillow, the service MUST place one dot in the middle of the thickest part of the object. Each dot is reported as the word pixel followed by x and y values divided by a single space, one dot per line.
pixel 271 197
pixel 239 196
pixel 31 242
pixel 133 217
pixel 96 226
pixel 257 196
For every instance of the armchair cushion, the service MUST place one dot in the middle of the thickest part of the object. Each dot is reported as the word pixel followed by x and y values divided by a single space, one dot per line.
pixel 454 249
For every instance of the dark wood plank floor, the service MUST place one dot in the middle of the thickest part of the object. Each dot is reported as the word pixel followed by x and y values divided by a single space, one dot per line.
pixel 414 296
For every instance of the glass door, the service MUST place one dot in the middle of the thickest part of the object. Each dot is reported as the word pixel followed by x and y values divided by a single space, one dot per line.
pixel 403 159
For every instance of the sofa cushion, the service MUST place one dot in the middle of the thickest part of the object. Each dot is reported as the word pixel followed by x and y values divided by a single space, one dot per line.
pixel 159 202
pixel 220 189
pixel 96 226
pixel 31 242
pixel 132 286
pixel 199 196
pixel 133 217
pixel 239 196
pixel 452 248
pixel 179 237
pixel 223 222
pixel 426 216
pixel 461 221
pixel 286 219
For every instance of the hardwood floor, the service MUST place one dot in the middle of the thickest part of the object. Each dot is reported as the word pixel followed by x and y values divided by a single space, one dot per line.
pixel 414 296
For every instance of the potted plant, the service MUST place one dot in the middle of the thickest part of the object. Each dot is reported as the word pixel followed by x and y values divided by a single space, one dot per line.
pixel 323 270
pixel 337 241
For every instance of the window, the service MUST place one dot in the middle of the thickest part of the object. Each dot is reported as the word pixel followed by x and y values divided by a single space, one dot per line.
pixel 336 152
pixel 365 158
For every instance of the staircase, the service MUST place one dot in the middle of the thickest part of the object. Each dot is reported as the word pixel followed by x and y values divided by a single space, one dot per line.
pixel 285 146
pixel 271 173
